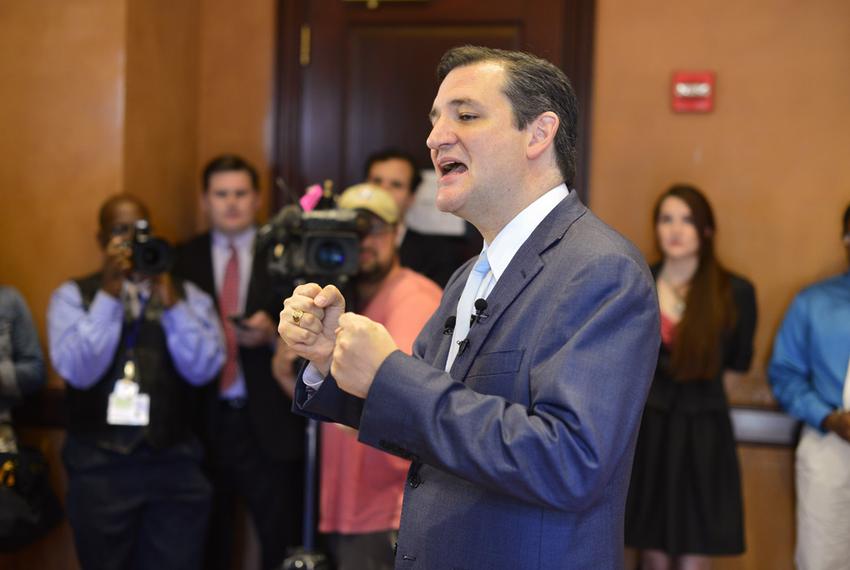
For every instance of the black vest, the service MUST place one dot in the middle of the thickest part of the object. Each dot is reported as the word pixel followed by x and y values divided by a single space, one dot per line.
pixel 172 406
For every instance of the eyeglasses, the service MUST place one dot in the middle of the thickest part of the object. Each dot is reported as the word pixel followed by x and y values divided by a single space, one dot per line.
pixel 121 229
pixel 378 228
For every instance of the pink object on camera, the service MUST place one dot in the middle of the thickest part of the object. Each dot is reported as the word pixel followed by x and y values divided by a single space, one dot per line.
pixel 311 197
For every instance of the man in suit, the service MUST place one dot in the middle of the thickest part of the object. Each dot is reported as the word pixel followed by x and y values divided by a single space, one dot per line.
pixel 255 442
pixel 433 255
pixel 520 405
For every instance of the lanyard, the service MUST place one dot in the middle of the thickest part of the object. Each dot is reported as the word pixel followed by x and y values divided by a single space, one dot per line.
pixel 131 340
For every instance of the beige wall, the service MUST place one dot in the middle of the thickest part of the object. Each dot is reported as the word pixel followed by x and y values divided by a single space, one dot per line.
pixel 772 157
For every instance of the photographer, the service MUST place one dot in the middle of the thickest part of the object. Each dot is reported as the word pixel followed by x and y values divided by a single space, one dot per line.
pixel 131 342
pixel 361 487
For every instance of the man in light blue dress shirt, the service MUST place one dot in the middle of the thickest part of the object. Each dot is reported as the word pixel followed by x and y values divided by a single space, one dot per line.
pixel 132 349
pixel 810 378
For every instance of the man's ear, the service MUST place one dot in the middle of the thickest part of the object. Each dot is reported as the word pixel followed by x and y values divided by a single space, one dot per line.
pixel 543 130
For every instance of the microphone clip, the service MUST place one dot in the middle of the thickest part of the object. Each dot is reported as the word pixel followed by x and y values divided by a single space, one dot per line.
pixel 449 325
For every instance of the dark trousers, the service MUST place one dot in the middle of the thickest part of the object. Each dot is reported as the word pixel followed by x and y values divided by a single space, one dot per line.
pixel 366 551
pixel 145 510
pixel 271 491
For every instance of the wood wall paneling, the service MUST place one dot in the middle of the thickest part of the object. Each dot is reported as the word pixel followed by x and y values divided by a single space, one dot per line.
pixel 61 107
pixel 161 111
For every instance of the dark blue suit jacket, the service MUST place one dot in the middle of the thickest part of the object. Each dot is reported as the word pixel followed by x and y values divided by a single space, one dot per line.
pixel 522 454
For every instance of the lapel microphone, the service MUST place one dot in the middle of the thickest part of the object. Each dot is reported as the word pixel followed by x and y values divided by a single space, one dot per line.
pixel 449 325
pixel 480 315
pixel 480 307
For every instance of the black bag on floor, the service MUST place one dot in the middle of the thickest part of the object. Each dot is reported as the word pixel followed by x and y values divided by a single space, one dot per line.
pixel 28 506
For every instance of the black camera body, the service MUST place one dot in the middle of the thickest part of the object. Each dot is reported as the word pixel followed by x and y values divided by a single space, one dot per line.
pixel 321 245
pixel 151 255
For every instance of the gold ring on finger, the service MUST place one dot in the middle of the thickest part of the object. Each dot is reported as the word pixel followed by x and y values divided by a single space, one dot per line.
pixel 296 316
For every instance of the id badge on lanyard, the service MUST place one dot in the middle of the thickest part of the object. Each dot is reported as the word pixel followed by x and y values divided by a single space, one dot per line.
pixel 127 405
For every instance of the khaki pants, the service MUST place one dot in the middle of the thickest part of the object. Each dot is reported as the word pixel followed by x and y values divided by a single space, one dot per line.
pixel 823 498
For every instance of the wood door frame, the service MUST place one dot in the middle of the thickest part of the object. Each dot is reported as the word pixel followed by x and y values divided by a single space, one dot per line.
pixel 577 64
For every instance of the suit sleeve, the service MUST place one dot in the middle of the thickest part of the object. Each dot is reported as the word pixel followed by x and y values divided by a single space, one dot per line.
pixel 588 378
pixel 739 352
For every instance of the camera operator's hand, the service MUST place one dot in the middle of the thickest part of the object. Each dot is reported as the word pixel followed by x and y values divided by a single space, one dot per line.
pixel 116 265
pixel 309 320
pixel 256 330
pixel 362 346
pixel 163 289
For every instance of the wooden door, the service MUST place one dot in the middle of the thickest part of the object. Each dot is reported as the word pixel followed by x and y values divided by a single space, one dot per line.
pixel 367 79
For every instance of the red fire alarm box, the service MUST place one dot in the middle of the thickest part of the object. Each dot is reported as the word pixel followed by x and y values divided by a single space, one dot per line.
pixel 693 91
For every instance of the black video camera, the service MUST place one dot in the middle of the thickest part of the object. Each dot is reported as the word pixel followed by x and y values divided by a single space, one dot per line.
pixel 321 245
pixel 151 255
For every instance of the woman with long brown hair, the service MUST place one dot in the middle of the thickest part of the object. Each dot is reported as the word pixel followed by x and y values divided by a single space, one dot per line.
pixel 684 502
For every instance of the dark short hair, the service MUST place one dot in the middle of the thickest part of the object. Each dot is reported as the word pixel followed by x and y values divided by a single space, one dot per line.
pixel 395 154
pixel 229 163
pixel 533 86
pixel 844 229
pixel 113 201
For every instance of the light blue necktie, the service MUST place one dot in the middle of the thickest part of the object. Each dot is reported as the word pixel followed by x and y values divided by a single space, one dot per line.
pixel 476 288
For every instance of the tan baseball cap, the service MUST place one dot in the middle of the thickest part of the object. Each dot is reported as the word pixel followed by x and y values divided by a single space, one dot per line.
pixel 371 198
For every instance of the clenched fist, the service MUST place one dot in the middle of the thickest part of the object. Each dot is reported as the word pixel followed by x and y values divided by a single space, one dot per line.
pixel 362 345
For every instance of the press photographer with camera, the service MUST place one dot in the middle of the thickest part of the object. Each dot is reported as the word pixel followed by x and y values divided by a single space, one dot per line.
pixel 361 487
pixel 132 344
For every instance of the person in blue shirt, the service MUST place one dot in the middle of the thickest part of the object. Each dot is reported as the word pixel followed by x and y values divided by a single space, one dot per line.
pixel 810 378
pixel 132 348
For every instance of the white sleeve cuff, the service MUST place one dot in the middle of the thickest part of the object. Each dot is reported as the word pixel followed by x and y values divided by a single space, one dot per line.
pixel 312 378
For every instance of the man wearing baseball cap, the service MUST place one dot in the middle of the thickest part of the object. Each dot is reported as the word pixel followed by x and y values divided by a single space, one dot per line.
pixel 362 487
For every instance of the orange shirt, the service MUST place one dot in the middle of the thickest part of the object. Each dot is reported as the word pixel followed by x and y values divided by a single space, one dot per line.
pixel 362 487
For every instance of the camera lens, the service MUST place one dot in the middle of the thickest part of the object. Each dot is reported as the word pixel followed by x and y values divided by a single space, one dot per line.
pixel 150 256
pixel 330 255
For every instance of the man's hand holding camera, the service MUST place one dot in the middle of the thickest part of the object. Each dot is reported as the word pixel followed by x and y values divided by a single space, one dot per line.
pixel 163 288
pixel 352 347
pixel 116 265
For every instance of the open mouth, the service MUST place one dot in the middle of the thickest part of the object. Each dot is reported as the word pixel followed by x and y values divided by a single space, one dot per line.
pixel 449 166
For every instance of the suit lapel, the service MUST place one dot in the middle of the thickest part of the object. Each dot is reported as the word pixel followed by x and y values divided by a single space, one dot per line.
pixel 522 270
pixel 258 274
pixel 204 275
pixel 451 296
